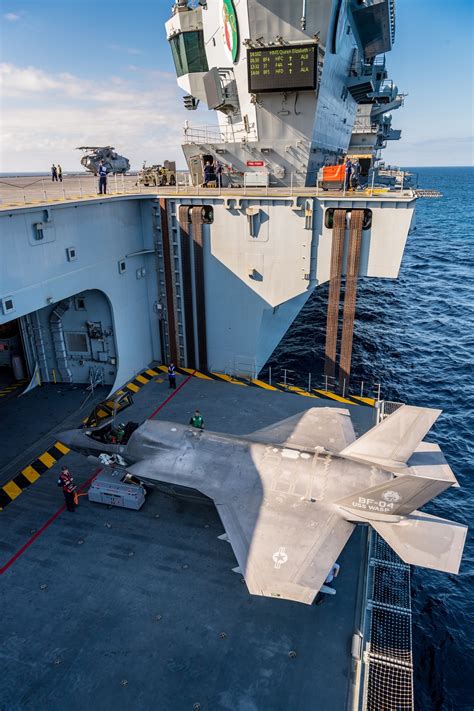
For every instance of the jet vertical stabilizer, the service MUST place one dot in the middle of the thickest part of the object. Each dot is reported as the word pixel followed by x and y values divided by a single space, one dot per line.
pixel 396 497
pixel 391 443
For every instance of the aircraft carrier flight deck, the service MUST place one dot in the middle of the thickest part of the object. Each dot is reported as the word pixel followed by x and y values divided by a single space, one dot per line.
pixel 109 608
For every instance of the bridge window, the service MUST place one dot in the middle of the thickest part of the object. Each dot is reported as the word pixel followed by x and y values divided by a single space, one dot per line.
pixel 189 54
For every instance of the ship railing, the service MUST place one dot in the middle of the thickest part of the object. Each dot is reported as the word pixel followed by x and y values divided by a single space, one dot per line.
pixel 365 126
pixel 318 385
pixel 81 186
pixel 388 407
pixel 217 134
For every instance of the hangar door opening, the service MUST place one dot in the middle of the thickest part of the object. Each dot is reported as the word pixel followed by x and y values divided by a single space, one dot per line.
pixel 72 341
pixel 13 364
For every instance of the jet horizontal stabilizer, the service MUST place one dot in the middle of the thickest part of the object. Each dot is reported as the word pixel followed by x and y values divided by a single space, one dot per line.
pixel 391 443
pixel 428 541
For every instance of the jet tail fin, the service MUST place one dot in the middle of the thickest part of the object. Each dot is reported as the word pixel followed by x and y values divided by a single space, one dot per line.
pixel 396 497
pixel 392 442
pixel 428 541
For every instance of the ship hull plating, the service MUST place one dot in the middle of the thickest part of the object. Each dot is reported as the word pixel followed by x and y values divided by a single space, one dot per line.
pixel 256 262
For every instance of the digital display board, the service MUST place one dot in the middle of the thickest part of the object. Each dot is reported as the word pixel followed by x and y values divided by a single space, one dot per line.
pixel 284 68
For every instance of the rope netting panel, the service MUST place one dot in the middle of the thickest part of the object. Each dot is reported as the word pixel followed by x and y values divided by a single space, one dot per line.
pixel 390 635
pixel 390 688
pixel 388 650
pixel 391 585
pixel 382 551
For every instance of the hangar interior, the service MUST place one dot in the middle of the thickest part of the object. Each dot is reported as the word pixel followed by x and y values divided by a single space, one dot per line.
pixel 70 341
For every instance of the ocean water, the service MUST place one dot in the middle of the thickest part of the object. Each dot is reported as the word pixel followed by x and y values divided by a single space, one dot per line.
pixel 415 335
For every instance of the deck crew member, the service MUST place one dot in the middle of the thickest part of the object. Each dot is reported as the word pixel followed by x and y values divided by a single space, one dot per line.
pixel 355 174
pixel 209 174
pixel 333 573
pixel 219 174
pixel 66 482
pixel 197 420
pixel 60 173
pixel 54 173
pixel 120 433
pixel 172 376
pixel 102 178
pixel 348 173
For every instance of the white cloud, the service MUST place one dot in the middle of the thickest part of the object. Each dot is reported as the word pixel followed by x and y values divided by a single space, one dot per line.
pixel 12 16
pixel 121 48
pixel 16 81
pixel 45 116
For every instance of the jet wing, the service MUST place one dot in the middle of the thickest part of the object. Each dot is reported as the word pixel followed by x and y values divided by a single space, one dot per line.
pixel 284 545
pixel 284 550
pixel 328 427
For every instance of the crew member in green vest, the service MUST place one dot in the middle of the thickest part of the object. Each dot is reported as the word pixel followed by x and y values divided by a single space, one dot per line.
pixel 197 420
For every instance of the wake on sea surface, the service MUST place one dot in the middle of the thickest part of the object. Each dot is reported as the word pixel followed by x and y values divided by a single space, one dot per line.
pixel 415 336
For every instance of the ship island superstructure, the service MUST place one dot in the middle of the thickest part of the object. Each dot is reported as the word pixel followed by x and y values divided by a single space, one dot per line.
pixel 212 276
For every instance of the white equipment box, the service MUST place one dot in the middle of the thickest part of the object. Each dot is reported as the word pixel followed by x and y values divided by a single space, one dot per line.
pixel 256 179
pixel 116 487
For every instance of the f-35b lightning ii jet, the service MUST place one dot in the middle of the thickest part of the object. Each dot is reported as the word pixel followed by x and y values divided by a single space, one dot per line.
pixel 290 495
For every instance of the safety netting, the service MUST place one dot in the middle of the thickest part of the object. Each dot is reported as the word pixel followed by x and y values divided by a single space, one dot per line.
pixel 388 649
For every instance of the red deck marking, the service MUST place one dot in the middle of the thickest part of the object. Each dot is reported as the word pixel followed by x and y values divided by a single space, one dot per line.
pixel 53 518
pixel 175 392
pixel 48 523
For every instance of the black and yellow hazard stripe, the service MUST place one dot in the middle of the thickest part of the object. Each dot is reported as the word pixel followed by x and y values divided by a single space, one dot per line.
pixel 275 387
pixel 9 389
pixel 108 407
pixel 139 381
pixel 27 476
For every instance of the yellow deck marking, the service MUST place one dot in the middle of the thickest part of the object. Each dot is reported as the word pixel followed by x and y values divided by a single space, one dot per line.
pixel 30 473
pixel 299 391
pixel 368 400
pixel 120 392
pixel 142 380
pixel 62 447
pixel 47 460
pixel 103 413
pixel 261 384
pixel 163 368
pixel 151 372
pixel 333 396
pixel 196 373
pixel 133 388
pixel 12 490
pixel 228 379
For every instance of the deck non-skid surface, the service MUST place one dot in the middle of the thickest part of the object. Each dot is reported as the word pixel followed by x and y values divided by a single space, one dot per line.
pixel 117 609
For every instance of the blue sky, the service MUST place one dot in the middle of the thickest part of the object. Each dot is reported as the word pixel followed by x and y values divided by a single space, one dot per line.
pixel 80 72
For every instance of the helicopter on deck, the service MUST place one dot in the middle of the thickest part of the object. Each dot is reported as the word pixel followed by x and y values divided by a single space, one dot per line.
pixel 113 162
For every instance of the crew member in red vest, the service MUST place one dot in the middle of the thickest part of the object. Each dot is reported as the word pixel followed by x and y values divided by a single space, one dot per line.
pixel 69 488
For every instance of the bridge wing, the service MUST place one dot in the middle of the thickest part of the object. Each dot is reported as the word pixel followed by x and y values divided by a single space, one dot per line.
pixel 328 427
pixel 287 549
